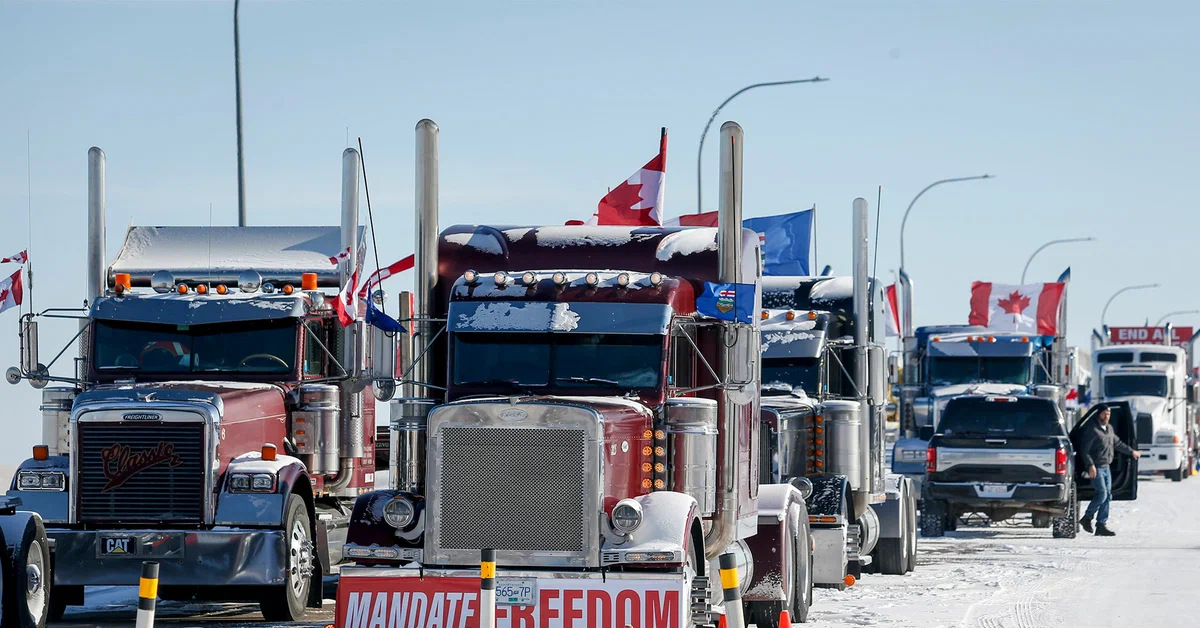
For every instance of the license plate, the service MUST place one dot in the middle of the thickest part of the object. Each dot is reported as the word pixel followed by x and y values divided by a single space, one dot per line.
pixel 118 546
pixel 991 489
pixel 510 592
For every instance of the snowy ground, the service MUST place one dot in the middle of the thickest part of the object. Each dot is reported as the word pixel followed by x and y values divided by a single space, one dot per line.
pixel 988 577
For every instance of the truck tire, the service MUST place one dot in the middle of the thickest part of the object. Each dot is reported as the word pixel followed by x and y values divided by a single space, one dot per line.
pixel 27 578
pixel 1177 474
pixel 933 519
pixel 912 534
pixel 1066 526
pixel 287 602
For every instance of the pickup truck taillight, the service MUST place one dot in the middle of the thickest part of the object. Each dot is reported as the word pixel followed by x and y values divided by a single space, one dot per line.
pixel 1060 461
pixel 931 460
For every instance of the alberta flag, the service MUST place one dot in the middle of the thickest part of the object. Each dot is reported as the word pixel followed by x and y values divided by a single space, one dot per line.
pixel 727 301
pixel 1030 308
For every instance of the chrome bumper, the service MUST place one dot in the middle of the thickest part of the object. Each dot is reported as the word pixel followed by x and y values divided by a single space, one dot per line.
pixel 186 557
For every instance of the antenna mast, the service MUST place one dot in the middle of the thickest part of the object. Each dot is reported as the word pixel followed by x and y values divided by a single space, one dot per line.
pixel 237 78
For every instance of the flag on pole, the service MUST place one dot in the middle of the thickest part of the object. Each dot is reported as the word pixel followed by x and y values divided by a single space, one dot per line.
pixel 638 201
pixel 19 258
pixel 727 301
pixel 346 304
pixel 11 291
pixel 893 316
pixel 785 240
pixel 378 276
pixel 706 219
pixel 1031 308
pixel 340 256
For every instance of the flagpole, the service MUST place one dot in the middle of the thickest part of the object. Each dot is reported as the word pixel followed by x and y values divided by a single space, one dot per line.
pixel 813 270
pixel 700 151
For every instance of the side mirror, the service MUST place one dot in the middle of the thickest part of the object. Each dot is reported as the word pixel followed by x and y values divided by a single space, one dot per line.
pixel 1191 394
pixel 925 433
pixel 29 344
pixel 802 484
pixel 877 384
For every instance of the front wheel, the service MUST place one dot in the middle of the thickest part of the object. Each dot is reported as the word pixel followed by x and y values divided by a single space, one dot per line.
pixel 27 578
pixel 287 602
pixel 1177 474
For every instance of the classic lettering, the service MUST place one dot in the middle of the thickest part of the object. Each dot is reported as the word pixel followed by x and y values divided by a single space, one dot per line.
pixel 120 463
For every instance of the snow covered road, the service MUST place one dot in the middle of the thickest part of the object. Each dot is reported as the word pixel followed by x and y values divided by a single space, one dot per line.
pixel 1003 576
pixel 1007 576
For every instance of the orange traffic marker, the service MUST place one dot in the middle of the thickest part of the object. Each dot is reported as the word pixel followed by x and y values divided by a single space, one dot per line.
pixel 721 623
pixel 784 618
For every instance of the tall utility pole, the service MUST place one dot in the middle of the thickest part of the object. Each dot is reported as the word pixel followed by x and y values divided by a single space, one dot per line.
pixel 237 89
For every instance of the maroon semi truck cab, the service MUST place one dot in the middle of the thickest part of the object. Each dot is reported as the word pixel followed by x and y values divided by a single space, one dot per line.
pixel 219 420
pixel 595 431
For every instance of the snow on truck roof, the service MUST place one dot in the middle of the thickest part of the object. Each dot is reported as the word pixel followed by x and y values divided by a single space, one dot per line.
pixel 200 309
pixel 219 254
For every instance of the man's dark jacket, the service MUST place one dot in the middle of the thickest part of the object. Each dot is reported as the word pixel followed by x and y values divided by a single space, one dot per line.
pixel 1099 445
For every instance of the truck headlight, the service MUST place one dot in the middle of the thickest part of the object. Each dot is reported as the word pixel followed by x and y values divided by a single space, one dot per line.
pixel 398 512
pixel 1168 437
pixel 626 516
pixel 41 481
pixel 251 483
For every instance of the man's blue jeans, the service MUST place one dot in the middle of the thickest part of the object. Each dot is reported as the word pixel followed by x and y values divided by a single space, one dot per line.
pixel 1099 504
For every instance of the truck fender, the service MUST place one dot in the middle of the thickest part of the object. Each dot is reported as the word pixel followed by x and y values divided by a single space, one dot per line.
pixel 830 496
pixel 369 529
pixel 776 503
pixel 898 489
pixel 262 509
pixel 53 506
pixel 667 523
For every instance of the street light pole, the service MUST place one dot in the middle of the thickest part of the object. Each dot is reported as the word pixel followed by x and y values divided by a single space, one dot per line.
pixel 1048 244
pixel 907 323
pixel 1104 312
pixel 1173 314
pixel 700 152
pixel 237 88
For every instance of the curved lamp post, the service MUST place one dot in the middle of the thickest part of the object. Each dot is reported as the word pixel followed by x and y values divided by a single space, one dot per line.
pixel 1104 312
pixel 700 152
pixel 1048 244
pixel 1173 314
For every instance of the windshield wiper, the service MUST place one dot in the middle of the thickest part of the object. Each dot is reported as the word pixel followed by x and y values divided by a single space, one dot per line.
pixel 589 380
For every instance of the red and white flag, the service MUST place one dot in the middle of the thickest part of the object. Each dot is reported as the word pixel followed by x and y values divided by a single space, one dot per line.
pixel 378 276
pixel 705 219
pixel 1031 308
pixel 638 200
pixel 19 258
pixel 11 291
pixel 346 304
pixel 340 256
pixel 893 316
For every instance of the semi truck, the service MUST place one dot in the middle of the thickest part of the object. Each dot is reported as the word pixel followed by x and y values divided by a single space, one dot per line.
pixel 821 393
pixel 945 361
pixel 218 419
pixel 582 420
pixel 1153 379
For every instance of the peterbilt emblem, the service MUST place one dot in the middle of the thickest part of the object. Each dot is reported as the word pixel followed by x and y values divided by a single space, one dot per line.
pixel 513 414
pixel 120 463
pixel 142 416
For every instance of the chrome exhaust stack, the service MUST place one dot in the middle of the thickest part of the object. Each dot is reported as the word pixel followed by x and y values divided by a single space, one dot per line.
pixel 861 250
pixel 409 415
pixel 729 255
pixel 350 440
pixel 97 280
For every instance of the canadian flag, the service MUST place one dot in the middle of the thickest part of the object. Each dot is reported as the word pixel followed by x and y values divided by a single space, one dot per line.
pixel 1031 308
pixel 378 276
pixel 706 219
pixel 11 291
pixel 19 258
pixel 346 304
pixel 639 199
pixel 893 316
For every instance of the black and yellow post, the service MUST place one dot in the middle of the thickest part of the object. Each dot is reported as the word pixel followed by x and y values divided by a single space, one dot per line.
pixel 734 618
pixel 147 595
pixel 487 588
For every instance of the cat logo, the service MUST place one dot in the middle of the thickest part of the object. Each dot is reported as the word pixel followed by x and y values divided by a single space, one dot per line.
pixel 117 546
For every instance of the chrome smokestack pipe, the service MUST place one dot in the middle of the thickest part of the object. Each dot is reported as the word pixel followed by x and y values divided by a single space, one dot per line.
pixel 427 242
pixel 729 256
pixel 96 279
pixel 906 294
pixel 862 251
pixel 351 355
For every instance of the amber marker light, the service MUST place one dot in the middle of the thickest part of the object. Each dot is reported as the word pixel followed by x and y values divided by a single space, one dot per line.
pixel 269 452
pixel 201 289
pixel 288 288
pixel 41 452
pixel 221 289
pixel 181 288
pixel 308 281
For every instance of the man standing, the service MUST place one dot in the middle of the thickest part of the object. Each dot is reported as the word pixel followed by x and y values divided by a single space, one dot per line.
pixel 1099 445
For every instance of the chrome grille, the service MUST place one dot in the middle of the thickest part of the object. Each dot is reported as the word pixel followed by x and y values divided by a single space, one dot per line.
pixel 158 478
pixel 512 489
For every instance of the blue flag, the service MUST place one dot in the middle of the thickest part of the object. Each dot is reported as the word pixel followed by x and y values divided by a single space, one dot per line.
pixel 785 241
pixel 380 320
pixel 727 301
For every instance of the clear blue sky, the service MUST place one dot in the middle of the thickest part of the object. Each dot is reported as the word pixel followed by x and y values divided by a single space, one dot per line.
pixel 1085 111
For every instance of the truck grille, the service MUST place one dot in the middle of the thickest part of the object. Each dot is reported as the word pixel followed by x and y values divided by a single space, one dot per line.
pixel 512 489
pixel 141 473
pixel 1145 429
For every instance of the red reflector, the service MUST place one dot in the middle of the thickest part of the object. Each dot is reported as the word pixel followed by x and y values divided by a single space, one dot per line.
pixel 931 460
pixel 1060 461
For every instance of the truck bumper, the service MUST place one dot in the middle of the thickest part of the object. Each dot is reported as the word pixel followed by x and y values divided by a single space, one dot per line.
pixel 1159 458
pixel 1014 495
pixel 186 557
pixel 557 599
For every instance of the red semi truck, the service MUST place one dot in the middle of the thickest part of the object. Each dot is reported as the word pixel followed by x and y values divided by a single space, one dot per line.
pixel 588 425
pixel 219 420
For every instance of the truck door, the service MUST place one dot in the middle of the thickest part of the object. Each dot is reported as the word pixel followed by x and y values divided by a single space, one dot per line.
pixel 1124 468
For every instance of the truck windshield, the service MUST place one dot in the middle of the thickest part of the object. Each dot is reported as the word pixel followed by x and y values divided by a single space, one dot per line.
pixel 965 416
pixel 517 361
pixel 1130 385
pixel 242 347
pixel 782 376
pixel 945 371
